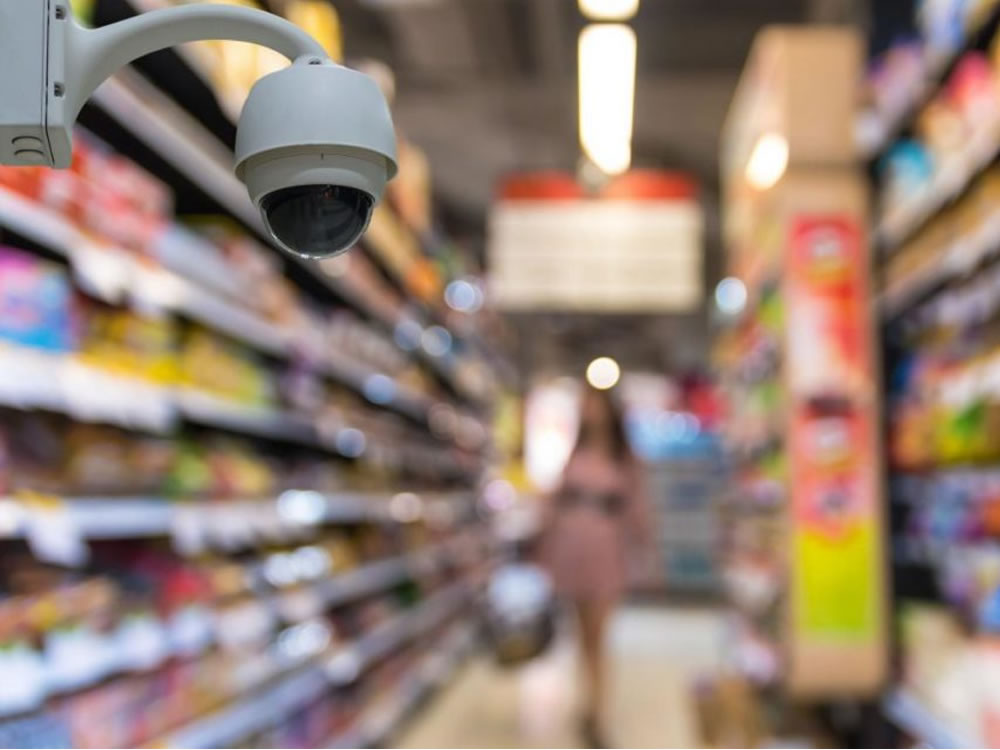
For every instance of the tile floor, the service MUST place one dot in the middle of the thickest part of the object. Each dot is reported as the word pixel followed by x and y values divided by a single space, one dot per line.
pixel 656 652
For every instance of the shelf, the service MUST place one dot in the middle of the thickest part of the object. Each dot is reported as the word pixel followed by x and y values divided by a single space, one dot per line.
pixel 66 383
pixel 311 601
pixel 138 517
pixel 958 260
pixel 351 662
pixel 378 722
pixel 170 131
pixel 908 712
pixel 252 714
pixel 115 275
pixel 949 183
pixel 210 410
pixel 295 691
pixel 977 38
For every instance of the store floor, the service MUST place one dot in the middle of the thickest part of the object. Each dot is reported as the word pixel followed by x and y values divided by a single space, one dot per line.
pixel 656 653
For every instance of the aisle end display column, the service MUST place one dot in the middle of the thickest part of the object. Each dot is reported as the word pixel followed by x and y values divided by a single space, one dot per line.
pixel 795 218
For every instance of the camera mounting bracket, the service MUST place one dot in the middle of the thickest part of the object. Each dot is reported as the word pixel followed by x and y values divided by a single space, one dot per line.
pixel 50 64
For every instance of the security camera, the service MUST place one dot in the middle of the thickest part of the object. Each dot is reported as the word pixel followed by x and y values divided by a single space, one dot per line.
pixel 315 144
pixel 315 147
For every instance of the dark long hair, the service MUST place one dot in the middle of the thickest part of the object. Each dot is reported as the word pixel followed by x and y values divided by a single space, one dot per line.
pixel 621 451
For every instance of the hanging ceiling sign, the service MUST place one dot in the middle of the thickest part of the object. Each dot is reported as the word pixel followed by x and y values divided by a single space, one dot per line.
pixel 636 248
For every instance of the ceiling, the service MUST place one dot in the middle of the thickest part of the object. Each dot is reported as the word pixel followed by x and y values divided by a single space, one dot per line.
pixel 487 87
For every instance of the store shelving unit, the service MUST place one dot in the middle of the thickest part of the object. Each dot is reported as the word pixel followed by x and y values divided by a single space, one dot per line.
pixel 126 277
pixel 282 681
pixel 801 556
pixel 379 722
pixel 936 295
pixel 937 72
pixel 296 688
pixel 400 559
pixel 136 517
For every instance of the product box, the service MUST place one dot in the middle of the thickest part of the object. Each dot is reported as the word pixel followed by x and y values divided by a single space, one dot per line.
pixel 36 302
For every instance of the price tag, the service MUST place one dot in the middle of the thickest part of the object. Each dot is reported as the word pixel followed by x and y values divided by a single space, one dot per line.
pixel 190 630
pixel 300 604
pixel 227 528
pixel 266 521
pixel 141 643
pixel 51 531
pixel 30 378
pixel 242 625
pixel 187 530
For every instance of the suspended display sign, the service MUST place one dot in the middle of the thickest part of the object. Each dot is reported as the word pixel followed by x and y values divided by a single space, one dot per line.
pixel 636 248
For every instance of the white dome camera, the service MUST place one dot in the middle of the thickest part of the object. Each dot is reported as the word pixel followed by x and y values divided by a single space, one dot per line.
pixel 315 144
pixel 315 147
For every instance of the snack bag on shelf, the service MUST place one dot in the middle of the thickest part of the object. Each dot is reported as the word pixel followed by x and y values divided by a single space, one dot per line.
pixel 190 474
pixel 357 273
pixel 228 370
pixel 141 346
pixel 897 77
pixel 974 92
pixel 36 302
pixel 942 23
pixel 98 461
pixel 257 270
pixel 238 472
pixel 194 257
pixel 906 168
pixel 23 180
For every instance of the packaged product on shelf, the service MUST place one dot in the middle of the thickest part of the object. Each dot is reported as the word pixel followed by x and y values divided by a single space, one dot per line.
pixel 942 26
pixel 108 196
pixel 102 460
pixel 973 88
pixel 36 302
pixel 255 268
pixel 906 169
pixel 347 335
pixel 323 476
pixel 129 343
pixel 897 79
pixel 410 192
pixel 195 257
pixel 98 163
pixel 211 363
pixel 24 688
pixel 220 468
pixel 34 452
pixel 237 471
pixel 361 276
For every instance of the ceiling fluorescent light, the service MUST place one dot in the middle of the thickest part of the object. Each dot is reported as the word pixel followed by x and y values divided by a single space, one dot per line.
pixel 607 92
pixel 609 10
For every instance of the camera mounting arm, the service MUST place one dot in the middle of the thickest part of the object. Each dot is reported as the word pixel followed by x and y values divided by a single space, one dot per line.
pixel 44 86
pixel 92 55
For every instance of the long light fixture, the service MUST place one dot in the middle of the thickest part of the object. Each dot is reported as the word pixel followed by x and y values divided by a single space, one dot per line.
pixel 607 93
pixel 609 10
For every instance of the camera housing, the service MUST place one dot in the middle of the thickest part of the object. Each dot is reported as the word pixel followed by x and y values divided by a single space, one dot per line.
pixel 315 147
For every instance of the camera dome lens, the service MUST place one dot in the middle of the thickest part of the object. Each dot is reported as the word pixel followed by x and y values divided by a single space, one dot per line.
pixel 317 221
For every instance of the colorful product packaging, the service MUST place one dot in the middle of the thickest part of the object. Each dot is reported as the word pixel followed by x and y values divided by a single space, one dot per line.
pixel 36 302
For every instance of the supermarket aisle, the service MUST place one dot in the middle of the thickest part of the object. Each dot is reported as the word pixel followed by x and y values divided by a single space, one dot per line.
pixel 656 652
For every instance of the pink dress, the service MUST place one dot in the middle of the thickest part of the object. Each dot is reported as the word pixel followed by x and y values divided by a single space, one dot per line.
pixel 592 517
